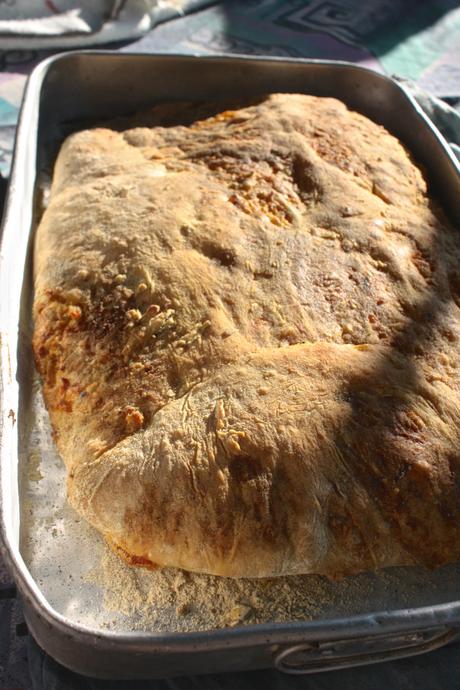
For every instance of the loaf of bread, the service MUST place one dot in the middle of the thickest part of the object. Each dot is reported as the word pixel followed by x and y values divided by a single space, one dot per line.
pixel 247 327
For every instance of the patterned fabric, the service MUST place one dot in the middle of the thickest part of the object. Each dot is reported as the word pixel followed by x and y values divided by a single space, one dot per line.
pixel 414 39
pixel 13 631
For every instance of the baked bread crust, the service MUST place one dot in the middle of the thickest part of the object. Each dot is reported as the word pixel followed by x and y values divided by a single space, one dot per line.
pixel 247 328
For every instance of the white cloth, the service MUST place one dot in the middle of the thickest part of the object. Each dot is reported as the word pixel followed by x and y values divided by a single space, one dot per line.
pixel 42 24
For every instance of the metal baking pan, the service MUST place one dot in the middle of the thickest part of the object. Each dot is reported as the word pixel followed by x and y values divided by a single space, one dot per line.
pixel 403 613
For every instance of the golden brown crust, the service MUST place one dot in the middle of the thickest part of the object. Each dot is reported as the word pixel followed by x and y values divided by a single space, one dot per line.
pixel 247 329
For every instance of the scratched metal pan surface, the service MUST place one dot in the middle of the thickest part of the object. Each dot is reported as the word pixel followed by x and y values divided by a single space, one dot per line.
pixel 56 559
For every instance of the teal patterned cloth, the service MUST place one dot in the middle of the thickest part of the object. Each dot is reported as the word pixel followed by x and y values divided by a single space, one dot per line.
pixel 417 41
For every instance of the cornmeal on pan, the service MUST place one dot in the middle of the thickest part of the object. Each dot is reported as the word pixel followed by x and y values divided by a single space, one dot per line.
pixel 247 327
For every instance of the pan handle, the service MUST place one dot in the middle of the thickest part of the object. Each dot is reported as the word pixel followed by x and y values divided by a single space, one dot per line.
pixel 332 655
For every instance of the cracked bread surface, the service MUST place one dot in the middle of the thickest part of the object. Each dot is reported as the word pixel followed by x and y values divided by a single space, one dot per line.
pixel 247 327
